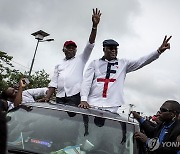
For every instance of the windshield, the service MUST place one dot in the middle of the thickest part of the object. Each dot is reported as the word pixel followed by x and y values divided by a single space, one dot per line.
pixel 59 132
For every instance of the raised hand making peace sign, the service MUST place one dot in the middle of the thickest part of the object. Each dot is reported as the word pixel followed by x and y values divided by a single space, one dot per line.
pixel 165 45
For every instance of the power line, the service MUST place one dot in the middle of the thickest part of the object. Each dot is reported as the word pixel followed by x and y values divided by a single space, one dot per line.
pixel 27 68
pixel 20 64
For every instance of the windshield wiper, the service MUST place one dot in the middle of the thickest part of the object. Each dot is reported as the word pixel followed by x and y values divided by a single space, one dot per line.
pixel 21 151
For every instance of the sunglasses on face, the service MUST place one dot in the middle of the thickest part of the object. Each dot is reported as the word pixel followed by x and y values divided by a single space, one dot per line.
pixel 165 110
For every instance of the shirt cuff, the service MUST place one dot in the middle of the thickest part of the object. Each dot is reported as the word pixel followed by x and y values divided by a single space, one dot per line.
pixel 52 84
pixel 84 98
pixel 90 45
pixel 157 53
pixel 141 120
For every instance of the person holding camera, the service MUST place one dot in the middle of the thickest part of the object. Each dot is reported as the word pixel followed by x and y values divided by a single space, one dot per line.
pixel 12 95
pixel 17 95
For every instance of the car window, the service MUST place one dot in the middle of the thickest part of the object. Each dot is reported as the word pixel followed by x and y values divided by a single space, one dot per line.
pixel 51 131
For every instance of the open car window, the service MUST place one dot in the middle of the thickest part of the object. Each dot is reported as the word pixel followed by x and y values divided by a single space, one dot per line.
pixel 60 132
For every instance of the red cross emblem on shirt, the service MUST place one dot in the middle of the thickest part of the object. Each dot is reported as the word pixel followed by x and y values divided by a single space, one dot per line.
pixel 106 82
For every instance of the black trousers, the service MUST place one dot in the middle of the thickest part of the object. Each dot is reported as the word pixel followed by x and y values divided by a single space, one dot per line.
pixel 71 100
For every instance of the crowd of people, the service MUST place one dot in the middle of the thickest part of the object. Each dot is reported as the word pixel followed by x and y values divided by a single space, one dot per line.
pixel 101 87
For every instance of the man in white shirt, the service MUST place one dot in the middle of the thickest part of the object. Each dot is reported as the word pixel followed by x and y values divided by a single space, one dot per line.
pixel 102 85
pixel 68 74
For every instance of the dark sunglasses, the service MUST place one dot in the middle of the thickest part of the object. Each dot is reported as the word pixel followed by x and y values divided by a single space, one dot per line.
pixel 165 110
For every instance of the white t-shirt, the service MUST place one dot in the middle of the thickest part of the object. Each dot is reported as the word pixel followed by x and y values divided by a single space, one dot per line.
pixel 103 81
pixel 68 74
pixel 29 95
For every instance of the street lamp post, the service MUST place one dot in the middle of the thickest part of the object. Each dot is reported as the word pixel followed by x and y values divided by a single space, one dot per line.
pixel 39 35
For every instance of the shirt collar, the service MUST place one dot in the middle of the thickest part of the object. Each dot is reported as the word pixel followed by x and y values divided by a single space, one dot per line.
pixel 104 59
pixel 168 126
pixel 68 59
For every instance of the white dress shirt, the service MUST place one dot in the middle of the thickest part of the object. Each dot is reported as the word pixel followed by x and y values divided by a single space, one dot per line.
pixel 103 82
pixel 29 95
pixel 68 74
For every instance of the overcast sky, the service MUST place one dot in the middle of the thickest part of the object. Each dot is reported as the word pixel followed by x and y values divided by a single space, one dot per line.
pixel 138 25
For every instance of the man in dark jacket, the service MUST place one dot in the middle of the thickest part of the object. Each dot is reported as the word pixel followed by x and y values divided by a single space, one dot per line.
pixel 165 137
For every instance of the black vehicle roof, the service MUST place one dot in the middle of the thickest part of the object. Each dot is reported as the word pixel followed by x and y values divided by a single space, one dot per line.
pixel 91 111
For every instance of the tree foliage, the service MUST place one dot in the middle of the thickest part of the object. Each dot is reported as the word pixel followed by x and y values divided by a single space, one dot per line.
pixel 5 69
pixel 10 76
pixel 39 79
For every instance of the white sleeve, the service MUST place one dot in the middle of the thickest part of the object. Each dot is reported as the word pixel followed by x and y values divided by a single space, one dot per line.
pixel 54 79
pixel 87 81
pixel 87 52
pixel 36 92
pixel 141 62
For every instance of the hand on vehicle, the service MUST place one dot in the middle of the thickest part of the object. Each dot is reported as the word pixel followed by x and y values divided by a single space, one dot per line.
pixel 135 115
pixel 84 105
pixel 140 136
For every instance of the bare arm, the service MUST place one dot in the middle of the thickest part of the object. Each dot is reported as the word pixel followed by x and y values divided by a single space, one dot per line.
pixel 18 98
pixel 50 91
pixel 89 47
pixel 95 19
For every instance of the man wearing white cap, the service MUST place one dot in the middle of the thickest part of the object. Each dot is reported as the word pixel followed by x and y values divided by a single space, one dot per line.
pixel 103 82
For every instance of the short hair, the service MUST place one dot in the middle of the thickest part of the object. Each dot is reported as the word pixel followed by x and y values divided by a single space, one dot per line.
pixel 174 104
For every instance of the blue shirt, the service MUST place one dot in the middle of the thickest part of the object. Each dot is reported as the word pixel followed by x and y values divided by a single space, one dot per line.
pixel 164 130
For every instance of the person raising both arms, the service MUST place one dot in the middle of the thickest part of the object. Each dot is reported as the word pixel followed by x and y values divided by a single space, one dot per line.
pixel 103 82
